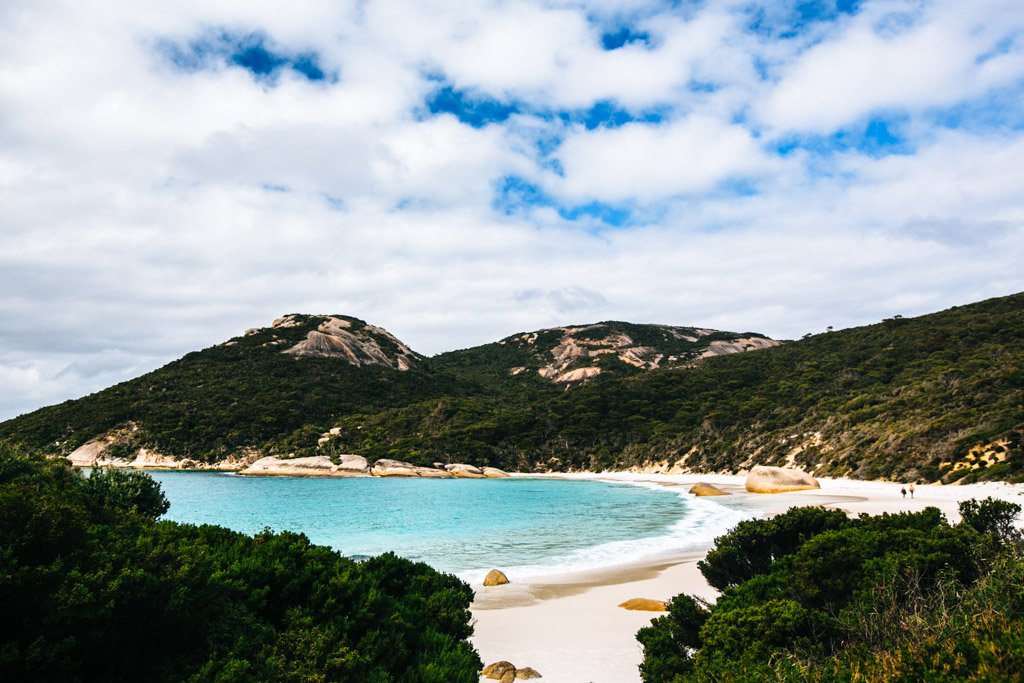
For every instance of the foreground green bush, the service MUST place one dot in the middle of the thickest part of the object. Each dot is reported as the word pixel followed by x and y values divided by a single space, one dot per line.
pixel 813 596
pixel 95 589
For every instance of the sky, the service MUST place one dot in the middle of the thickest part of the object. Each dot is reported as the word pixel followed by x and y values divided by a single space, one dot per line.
pixel 173 173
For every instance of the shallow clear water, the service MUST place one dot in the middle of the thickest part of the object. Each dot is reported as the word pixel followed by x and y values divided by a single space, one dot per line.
pixel 530 526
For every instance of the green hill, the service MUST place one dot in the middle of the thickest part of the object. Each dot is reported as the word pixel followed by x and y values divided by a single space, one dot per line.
pixel 277 390
pixel 935 397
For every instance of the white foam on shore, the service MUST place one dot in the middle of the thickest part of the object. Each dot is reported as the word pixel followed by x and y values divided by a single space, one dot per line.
pixel 703 521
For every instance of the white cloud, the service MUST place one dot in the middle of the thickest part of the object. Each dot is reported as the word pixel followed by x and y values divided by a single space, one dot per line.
pixel 140 216
pixel 937 60
pixel 653 162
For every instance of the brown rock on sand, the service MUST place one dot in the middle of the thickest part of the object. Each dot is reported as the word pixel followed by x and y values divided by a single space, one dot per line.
pixel 704 489
pixel 493 472
pixel 527 672
pixel 763 479
pixel 497 670
pixel 495 578
pixel 645 605
pixel 462 471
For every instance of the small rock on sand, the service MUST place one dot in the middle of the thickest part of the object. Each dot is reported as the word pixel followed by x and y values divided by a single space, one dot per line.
pixel 506 672
pixel 645 605
pixel 497 670
pixel 495 578
pixel 704 489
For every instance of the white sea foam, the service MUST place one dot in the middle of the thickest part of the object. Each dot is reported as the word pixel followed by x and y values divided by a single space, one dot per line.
pixel 703 521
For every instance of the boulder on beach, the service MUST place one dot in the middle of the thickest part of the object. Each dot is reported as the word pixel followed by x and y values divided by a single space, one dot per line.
pixel 353 463
pixel 764 479
pixel 494 472
pixel 433 473
pixel 527 672
pixel 461 471
pixel 386 467
pixel 645 605
pixel 705 489
pixel 495 578
pixel 496 670
pixel 313 466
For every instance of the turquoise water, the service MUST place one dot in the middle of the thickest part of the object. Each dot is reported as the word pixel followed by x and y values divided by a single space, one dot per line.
pixel 529 526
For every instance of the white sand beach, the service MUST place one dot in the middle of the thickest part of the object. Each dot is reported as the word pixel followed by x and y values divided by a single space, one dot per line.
pixel 570 628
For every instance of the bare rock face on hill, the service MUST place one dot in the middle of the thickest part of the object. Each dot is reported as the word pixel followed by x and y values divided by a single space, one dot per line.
pixel 350 340
pixel 570 356
pixel 764 479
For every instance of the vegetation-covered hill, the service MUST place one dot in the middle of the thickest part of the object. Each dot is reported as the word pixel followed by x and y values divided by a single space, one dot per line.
pixel 96 589
pixel 277 390
pixel 935 397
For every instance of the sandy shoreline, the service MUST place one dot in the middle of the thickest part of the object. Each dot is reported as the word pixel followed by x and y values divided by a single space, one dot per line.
pixel 570 628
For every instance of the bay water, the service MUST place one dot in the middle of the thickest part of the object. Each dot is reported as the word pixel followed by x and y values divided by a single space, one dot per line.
pixel 529 527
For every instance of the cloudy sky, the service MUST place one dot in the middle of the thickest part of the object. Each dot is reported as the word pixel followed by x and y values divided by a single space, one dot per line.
pixel 172 173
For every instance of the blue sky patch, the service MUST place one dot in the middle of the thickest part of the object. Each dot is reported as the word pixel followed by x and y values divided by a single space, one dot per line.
pixel 517 196
pixel 999 110
pixel 625 35
pixel 785 20
pixel 877 137
pixel 476 110
pixel 608 114
pixel 253 52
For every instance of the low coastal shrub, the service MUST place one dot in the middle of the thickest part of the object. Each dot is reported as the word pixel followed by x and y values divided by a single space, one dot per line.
pixel 94 587
pixel 813 596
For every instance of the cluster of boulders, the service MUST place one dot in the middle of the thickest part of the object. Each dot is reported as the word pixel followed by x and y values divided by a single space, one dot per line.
pixel 357 466
pixel 506 672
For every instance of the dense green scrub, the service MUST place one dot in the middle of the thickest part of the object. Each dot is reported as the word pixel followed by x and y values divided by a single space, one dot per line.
pixel 939 397
pixel 95 588
pixel 813 596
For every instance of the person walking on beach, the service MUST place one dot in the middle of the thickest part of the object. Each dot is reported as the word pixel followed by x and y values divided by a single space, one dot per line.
pixel 904 492
pixel 911 490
